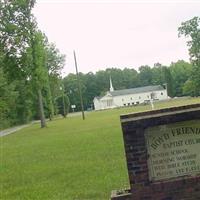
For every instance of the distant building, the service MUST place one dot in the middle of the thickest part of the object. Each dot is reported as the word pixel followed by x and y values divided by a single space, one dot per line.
pixel 129 97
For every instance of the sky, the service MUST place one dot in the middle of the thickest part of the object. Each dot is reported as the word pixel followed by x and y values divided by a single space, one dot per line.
pixel 116 33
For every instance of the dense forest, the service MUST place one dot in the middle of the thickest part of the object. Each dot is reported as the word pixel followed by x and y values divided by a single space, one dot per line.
pixel 30 81
pixel 176 76
pixel 31 86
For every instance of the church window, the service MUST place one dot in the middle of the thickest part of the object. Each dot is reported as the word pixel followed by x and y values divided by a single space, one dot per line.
pixel 139 97
pixel 161 93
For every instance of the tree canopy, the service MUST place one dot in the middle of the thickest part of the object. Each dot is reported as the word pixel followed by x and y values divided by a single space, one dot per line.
pixel 191 30
pixel 29 66
pixel 97 84
pixel 31 86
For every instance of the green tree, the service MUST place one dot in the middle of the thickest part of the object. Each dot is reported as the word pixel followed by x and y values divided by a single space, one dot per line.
pixel 8 96
pixel 145 75
pixel 14 41
pixel 39 73
pixel 158 74
pixel 169 81
pixel 181 71
pixel 191 30
pixel 71 88
pixel 28 62
pixel 54 62
pixel 15 22
pixel 63 104
pixel 189 88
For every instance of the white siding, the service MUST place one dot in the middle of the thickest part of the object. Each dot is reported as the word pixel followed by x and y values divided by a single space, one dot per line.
pixel 108 101
pixel 105 102
pixel 131 99
pixel 162 94
pixel 97 104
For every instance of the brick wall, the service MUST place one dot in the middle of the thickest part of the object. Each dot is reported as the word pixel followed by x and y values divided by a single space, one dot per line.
pixel 133 127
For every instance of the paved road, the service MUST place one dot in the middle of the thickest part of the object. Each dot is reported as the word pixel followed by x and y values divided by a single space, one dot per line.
pixel 12 130
pixel 17 128
pixel 74 114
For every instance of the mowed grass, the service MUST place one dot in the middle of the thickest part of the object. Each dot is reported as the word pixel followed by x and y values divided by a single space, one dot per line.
pixel 72 159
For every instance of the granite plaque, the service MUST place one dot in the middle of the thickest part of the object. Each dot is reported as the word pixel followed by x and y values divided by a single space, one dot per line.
pixel 173 150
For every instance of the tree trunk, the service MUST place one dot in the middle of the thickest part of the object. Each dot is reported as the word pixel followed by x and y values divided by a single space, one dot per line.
pixel 50 101
pixel 41 109
pixel 50 104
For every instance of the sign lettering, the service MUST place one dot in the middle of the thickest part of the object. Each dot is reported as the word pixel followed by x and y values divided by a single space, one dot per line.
pixel 174 150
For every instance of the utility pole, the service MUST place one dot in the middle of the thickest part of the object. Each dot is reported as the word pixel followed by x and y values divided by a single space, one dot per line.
pixel 79 87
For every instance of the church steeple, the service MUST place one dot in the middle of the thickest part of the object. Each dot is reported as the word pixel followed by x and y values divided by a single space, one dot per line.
pixel 111 86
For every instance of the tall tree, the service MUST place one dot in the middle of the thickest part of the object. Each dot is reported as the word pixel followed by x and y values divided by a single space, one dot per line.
pixel 180 71
pixel 28 62
pixel 14 42
pixel 191 29
pixel 15 22
pixel 54 62
pixel 39 73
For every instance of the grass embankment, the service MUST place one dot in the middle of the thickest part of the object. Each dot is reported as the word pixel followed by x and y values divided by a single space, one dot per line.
pixel 70 160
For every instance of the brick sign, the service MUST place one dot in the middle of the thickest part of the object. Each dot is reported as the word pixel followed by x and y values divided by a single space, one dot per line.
pixel 163 154
pixel 173 150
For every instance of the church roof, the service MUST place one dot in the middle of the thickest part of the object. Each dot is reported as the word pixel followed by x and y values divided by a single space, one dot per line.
pixel 136 90
pixel 97 98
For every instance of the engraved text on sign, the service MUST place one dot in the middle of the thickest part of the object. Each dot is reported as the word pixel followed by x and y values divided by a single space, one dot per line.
pixel 174 150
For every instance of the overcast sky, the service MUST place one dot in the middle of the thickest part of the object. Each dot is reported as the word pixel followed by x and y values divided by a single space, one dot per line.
pixel 115 33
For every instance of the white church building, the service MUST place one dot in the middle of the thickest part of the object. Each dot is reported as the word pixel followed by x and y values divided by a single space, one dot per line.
pixel 129 97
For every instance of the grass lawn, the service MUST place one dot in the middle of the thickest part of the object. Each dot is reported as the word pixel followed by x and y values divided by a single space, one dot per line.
pixel 70 160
